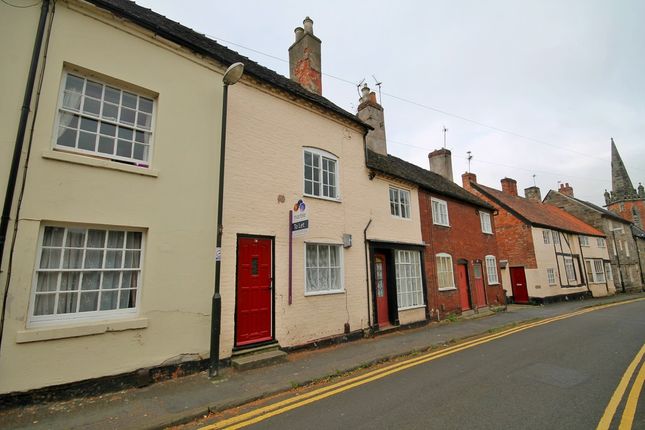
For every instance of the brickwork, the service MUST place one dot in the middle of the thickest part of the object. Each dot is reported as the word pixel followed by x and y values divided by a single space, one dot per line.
pixel 630 210
pixel 463 239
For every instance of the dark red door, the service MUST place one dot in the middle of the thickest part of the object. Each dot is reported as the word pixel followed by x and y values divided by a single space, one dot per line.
pixel 380 276
pixel 254 291
pixel 480 293
pixel 462 286
pixel 518 284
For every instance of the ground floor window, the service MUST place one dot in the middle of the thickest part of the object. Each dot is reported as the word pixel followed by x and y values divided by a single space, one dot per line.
pixel 550 274
pixel 409 287
pixel 569 269
pixel 323 267
pixel 595 272
pixel 86 272
pixel 610 275
pixel 491 270
pixel 445 275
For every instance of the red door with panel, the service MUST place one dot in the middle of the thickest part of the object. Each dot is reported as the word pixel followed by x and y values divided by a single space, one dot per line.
pixel 462 286
pixel 380 276
pixel 254 291
pixel 518 284
pixel 480 292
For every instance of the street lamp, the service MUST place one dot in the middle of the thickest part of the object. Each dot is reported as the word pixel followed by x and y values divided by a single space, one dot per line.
pixel 231 76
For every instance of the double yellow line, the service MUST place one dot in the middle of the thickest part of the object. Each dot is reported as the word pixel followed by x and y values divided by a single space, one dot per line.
pixel 632 399
pixel 281 407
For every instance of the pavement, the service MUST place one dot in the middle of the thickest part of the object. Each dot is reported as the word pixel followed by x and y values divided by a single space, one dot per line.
pixel 190 397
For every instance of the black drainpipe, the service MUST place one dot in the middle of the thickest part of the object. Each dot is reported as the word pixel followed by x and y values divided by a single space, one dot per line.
pixel 22 127
pixel 17 150
pixel 367 273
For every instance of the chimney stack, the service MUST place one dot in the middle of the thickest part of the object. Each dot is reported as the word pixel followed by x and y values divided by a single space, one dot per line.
pixel 533 194
pixel 467 179
pixel 441 163
pixel 370 112
pixel 566 189
pixel 304 58
pixel 509 186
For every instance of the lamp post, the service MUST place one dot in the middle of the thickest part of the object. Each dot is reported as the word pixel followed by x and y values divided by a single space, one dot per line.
pixel 231 76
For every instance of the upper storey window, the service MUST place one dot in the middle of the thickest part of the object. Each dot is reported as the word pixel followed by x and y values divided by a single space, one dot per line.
pixel 321 174
pixel 102 119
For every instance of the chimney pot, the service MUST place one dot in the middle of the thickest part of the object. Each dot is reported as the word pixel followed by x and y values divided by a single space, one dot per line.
pixel 308 24
pixel 299 32
pixel 509 186
pixel 370 112
pixel 566 189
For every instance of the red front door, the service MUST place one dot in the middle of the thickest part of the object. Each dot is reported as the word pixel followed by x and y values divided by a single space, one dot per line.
pixel 462 286
pixel 380 276
pixel 518 284
pixel 480 293
pixel 254 291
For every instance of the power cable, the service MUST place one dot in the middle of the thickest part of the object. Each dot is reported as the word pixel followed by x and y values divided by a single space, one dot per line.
pixel 19 6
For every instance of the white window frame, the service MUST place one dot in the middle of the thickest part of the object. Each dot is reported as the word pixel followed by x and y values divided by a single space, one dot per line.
pixel 626 246
pixel 584 240
pixel 491 270
pixel 136 135
pixel 440 212
pixel 409 281
pixel 486 223
pixel 608 271
pixel 550 276
pixel 450 274
pixel 321 178
pixel 340 266
pixel 601 242
pixel 556 237
pixel 546 235
pixel 399 202
pixel 64 247
pixel 569 269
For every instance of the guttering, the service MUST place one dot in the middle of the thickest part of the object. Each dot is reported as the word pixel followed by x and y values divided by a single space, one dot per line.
pixel 17 150
pixel 22 128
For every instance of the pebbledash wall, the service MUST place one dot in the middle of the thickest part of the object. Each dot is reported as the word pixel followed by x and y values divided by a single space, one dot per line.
pixel 172 202
pixel 265 177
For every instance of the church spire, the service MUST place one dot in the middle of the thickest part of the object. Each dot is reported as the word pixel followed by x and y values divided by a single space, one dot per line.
pixel 621 185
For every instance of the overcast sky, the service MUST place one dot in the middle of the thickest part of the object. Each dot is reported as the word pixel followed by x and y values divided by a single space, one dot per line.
pixel 529 87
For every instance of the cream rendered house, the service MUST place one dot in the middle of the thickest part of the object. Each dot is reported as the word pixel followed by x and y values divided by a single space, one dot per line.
pixel 110 267
pixel 286 153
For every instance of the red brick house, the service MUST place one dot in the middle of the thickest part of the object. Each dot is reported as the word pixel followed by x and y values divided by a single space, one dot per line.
pixel 546 253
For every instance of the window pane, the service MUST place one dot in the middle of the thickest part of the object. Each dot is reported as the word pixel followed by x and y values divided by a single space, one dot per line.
pixel 93 259
pixel 50 258
pixel 47 282
pixel 94 89
pixel 132 259
pixel 74 84
pixel 106 145
pixel 87 141
pixel 66 137
pixel 113 259
pixel 108 129
pixel 44 304
pixel 75 238
pixel 129 100
pixel 91 280
pixel 69 281
pixel 89 301
pixel 127 116
pixel 67 303
pixel 91 106
pixel 145 105
pixel 133 240
pixel 124 149
pixel 53 236
pixel 109 300
pixel 115 239
pixel 128 299
pixel 72 258
pixel 113 95
pixel 110 280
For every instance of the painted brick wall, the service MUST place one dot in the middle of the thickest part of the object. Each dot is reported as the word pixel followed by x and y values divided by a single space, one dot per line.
pixel 464 239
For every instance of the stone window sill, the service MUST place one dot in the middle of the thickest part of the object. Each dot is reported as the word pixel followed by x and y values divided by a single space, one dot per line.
pixel 99 162
pixel 88 329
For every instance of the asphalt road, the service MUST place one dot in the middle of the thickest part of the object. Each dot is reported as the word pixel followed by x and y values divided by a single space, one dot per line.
pixel 559 375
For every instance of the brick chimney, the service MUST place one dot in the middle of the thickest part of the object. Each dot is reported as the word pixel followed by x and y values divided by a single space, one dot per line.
pixel 371 112
pixel 304 58
pixel 566 189
pixel 441 163
pixel 533 193
pixel 509 186
pixel 467 179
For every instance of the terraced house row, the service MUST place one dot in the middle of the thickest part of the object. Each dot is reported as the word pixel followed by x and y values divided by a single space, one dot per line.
pixel 110 160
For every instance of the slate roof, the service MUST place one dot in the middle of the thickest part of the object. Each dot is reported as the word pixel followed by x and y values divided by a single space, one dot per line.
pixel 597 208
pixel 426 179
pixel 539 214
pixel 203 45
pixel 637 231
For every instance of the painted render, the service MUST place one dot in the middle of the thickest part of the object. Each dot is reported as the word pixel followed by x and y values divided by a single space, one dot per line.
pixel 264 178
pixel 173 201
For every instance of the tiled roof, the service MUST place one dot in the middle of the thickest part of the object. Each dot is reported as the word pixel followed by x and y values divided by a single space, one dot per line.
pixel 539 214
pixel 201 44
pixel 426 179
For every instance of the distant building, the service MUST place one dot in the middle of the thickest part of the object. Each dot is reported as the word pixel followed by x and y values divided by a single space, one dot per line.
pixel 622 241
pixel 546 253
pixel 624 199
